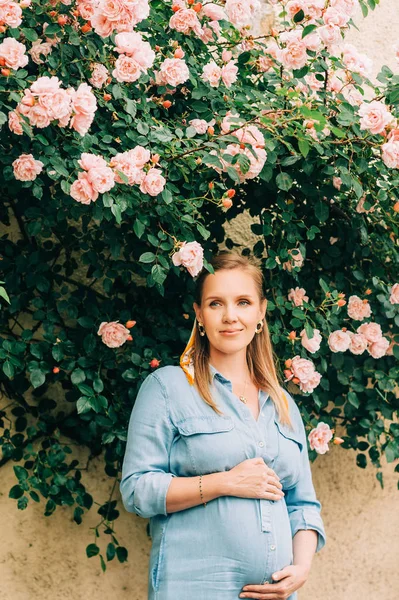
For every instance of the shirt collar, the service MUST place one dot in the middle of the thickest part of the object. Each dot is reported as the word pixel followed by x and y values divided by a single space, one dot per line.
pixel 216 374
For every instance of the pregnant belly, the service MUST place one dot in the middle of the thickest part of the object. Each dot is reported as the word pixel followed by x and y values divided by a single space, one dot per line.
pixel 225 543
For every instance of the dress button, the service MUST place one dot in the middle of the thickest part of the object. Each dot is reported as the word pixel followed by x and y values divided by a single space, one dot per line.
pixel 272 547
pixel 261 444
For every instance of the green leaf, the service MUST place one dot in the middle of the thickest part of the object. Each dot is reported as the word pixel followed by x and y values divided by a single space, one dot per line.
pixel 111 552
pixel 16 492
pixel 147 257
pixel 138 228
pixel 37 378
pixel 284 182
pixel 8 369
pixel 78 376
pixel 92 550
pixel 121 553
pixel 83 405
pixel 321 211
pixel 131 107
pixel 308 29
pixel 304 147
pixel 299 16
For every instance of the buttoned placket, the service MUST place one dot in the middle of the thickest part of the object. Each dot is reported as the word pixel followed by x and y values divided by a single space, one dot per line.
pixel 256 426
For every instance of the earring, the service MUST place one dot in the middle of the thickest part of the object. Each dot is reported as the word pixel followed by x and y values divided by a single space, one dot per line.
pixel 201 329
pixel 261 327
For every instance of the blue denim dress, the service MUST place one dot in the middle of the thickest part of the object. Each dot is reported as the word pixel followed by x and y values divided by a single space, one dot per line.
pixel 210 552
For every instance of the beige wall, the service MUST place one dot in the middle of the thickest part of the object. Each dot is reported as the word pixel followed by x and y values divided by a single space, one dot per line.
pixel 44 557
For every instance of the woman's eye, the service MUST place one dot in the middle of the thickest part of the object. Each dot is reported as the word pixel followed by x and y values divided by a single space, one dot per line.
pixel 246 301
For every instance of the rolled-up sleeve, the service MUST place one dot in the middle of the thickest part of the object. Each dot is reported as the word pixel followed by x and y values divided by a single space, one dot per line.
pixel 303 506
pixel 145 470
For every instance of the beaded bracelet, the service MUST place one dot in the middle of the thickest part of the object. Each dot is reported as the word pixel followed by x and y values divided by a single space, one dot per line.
pixel 202 498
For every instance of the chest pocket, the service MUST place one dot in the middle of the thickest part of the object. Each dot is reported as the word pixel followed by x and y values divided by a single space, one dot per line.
pixel 212 443
pixel 288 461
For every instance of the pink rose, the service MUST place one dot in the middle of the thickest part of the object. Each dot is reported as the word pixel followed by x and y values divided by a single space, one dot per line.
pixel 91 161
pixel 298 296
pixel 295 6
pixel 27 168
pixel 304 370
pixel 339 341
pixel 132 44
pixel 390 154
pixel 211 73
pixel 394 297
pixel 319 438
pixel 102 25
pixel 174 71
pixel 358 343
pixel 294 55
pixel 355 61
pixel 241 12
pixel 255 162
pixel 40 49
pixel 82 191
pixel 153 183
pixel 81 123
pixel 113 334
pixel 231 120
pixel 11 14
pixel 214 12
pixel 229 73
pixel 140 156
pixel 126 69
pixel 200 125
pixel 191 256
pixel 352 95
pixel 250 134
pixel 371 331
pixel 185 21
pixel 86 9
pixel 379 348
pixel 99 75
pixel 102 179
pixel 15 122
pixel 333 16
pixel 357 309
pixel 337 182
pixel 84 101
pixel 13 53
pixel 330 34
pixel 38 116
pixel 347 6
pixel 312 345
pixel 124 163
pixel 374 116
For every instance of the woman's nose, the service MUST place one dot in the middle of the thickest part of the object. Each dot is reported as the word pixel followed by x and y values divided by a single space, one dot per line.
pixel 229 313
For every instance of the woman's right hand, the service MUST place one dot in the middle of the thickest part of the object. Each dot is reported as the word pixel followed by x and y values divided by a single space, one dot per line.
pixel 252 478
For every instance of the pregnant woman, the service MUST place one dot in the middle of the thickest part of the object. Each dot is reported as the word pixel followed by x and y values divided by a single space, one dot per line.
pixel 217 456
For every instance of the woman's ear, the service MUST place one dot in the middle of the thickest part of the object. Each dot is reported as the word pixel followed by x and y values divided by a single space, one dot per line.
pixel 197 312
pixel 263 307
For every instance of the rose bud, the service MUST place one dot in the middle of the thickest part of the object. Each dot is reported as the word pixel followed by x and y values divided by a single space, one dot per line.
pixel 227 203
pixel 292 335
pixel 341 302
pixel 338 440
pixel 178 53
pixel 211 185
pixel 288 363
pixel 2 62
pixel 53 13
pixel 107 97
pixel 155 158
pixel 396 207
pixel 85 28
pixel 130 324
pixel 56 370
pixel 62 20
pixel 129 338
pixel 166 104
pixel 231 193
pixel 175 8
pixel 197 7
pixel 154 363
pixel 5 72
pixel 287 373
pixel 210 130
pixel 296 380
pixel 368 292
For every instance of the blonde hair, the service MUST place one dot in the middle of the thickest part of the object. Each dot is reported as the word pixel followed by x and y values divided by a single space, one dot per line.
pixel 260 354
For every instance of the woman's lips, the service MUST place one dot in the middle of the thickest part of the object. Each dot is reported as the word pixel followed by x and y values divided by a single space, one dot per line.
pixel 230 333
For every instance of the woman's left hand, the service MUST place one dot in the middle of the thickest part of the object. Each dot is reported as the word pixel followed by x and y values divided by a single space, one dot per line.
pixel 288 580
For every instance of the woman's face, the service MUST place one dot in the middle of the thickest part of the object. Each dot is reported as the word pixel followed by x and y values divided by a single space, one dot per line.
pixel 230 310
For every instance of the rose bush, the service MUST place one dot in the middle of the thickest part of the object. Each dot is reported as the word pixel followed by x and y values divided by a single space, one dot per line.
pixel 131 131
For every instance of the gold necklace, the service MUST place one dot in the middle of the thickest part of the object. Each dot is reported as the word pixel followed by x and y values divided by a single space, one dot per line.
pixel 243 398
